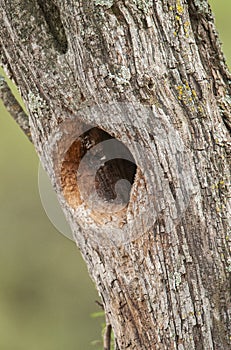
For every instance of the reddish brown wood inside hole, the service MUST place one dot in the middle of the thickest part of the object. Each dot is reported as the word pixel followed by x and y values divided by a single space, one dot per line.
pixel 112 169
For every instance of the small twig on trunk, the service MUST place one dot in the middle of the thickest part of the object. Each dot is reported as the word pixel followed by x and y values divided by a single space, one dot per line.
pixel 99 304
pixel 14 108
pixel 107 338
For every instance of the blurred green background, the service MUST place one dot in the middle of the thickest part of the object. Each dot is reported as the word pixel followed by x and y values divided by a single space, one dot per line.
pixel 46 296
pixel 222 12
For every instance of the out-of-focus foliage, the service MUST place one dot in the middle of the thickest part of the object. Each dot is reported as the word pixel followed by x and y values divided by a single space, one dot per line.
pixel 46 296
pixel 222 11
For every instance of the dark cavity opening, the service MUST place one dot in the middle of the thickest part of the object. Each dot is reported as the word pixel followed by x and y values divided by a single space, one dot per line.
pixel 52 17
pixel 109 164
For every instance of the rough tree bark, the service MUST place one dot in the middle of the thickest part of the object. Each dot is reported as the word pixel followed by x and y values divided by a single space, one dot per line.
pixel 147 77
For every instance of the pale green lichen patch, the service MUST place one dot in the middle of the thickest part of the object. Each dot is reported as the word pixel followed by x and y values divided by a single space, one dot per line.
pixel 122 77
pixel 177 279
pixel 106 3
pixel 36 104
pixel 228 267
pixel 143 5
pixel 125 73
pixel 202 6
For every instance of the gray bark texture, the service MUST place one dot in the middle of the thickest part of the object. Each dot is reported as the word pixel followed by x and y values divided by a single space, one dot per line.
pixel 146 79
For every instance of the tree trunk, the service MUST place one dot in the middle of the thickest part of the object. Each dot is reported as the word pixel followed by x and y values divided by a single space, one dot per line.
pixel 129 105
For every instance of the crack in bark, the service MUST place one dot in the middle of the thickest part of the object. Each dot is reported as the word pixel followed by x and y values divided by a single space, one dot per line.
pixel 52 16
